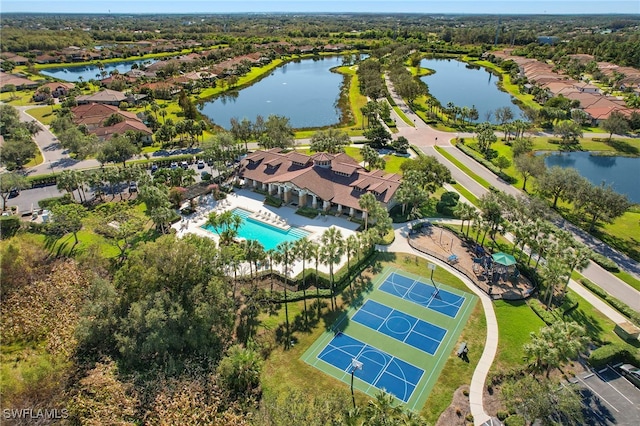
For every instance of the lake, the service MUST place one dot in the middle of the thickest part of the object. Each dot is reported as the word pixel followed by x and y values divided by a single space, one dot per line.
pixel 88 72
pixel 454 82
pixel 620 172
pixel 304 91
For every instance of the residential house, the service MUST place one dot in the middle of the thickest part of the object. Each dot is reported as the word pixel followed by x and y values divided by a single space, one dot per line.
pixel 55 90
pixel 106 96
pixel 93 115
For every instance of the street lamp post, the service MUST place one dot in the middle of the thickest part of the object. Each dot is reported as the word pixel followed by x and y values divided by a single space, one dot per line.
pixel 355 365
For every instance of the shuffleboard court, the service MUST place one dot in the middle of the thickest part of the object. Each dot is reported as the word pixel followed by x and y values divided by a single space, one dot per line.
pixel 401 326
pixel 379 369
pixel 422 294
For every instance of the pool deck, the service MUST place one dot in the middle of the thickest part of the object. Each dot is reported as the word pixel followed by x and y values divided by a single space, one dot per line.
pixel 279 217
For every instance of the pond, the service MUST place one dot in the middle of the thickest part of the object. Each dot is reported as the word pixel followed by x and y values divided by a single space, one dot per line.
pixel 455 81
pixel 304 91
pixel 88 72
pixel 617 171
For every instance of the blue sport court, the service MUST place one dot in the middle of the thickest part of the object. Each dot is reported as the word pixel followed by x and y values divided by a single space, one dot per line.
pixel 422 294
pixel 379 369
pixel 403 327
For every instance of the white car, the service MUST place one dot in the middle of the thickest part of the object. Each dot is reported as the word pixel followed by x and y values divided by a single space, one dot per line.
pixel 201 164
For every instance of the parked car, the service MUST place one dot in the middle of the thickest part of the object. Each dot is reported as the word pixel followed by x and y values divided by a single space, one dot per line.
pixel 201 164
pixel 632 373
pixel 133 187
pixel 154 167
pixel 14 192
pixel 184 165
pixel 174 165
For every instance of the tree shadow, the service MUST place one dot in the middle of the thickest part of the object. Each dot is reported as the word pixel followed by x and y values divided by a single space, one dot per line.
pixel 594 411
pixel 623 146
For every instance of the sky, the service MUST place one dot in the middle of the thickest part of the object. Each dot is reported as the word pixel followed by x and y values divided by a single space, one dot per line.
pixel 374 6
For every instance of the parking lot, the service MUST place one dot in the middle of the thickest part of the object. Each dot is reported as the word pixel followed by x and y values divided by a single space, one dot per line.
pixel 609 398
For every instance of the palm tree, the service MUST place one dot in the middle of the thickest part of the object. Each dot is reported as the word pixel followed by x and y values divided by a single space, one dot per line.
pixel 316 252
pixel 287 257
pixel 332 250
pixel 272 255
pixel 351 246
pixel 66 180
pixel 254 253
pixel 465 212
pixel 304 249
pixel 367 203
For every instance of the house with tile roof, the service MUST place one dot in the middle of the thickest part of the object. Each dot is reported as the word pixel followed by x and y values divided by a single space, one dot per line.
pixel 93 115
pixel 106 96
pixel 330 182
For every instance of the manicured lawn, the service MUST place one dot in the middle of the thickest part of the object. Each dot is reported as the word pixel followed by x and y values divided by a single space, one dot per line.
pixel 515 321
pixel 19 98
pixel 356 99
pixel 246 79
pixel 393 163
pixel 44 114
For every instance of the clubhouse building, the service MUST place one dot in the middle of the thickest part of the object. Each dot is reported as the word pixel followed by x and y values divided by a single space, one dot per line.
pixel 333 183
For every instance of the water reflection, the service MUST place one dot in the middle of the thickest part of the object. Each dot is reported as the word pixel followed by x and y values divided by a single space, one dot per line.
pixel 620 172
pixel 602 160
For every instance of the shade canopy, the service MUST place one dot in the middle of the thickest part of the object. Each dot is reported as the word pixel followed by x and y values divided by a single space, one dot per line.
pixel 504 259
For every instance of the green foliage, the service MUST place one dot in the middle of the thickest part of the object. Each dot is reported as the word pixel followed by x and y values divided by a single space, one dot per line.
pixel 309 212
pixel 172 305
pixel 545 400
pixel 541 310
pixel 47 203
pixel 488 164
pixel 612 353
pixel 272 201
pixel 239 371
pixel 9 226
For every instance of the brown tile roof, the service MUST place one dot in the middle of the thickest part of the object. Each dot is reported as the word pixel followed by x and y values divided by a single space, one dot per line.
pixel 121 128
pixel 17 81
pixel 93 115
pixel 105 95
pixel 328 183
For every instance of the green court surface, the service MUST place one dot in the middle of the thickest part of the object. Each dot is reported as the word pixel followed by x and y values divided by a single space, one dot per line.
pixel 393 336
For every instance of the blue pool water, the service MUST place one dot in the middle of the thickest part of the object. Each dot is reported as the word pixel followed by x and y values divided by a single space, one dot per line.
pixel 269 236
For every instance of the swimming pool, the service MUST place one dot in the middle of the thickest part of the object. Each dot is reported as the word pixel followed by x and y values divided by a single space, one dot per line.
pixel 269 236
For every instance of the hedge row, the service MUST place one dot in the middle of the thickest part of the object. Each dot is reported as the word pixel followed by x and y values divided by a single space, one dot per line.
pixel 613 352
pixel 605 262
pixel 615 303
pixel 488 164
pixel 542 311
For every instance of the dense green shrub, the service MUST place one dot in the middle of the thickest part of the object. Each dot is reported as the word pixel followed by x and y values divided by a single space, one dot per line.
pixel 46 203
pixel 502 414
pixel 272 201
pixel 516 420
pixel 605 262
pixel 542 312
pixel 9 225
pixel 611 353
pixel 309 212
